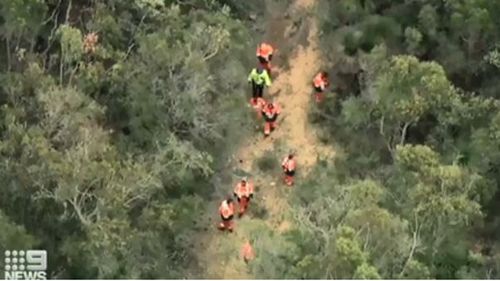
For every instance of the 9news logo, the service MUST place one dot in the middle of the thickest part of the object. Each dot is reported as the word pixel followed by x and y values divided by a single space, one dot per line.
pixel 25 265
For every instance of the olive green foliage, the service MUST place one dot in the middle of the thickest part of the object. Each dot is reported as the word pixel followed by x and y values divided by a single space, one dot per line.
pixel 106 155
pixel 413 190
pixel 268 162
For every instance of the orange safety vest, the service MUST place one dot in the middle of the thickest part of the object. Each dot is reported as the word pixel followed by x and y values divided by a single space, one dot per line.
pixel 245 190
pixel 271 112
pixel 320 82
pixel 247 252
pixel 260 103
pixel 288 164
pixel 226 210
pixel 265 51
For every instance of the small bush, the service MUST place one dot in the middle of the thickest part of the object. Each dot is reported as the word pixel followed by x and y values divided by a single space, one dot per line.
pixel 267 162
pixel 257 209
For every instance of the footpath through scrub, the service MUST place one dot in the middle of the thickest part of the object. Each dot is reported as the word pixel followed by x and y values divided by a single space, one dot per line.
pixel 219 254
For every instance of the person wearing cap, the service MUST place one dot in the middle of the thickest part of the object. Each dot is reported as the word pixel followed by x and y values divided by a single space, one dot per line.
pixel 288 166
pixel 320 82
pixel 270 113
pixel 226 212
pixel 264 55
pixel 258 77
pixel 247 252
pixel 243 191
pixel 258 105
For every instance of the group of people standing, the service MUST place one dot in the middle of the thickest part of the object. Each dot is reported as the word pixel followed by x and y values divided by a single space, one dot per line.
pixel 260 78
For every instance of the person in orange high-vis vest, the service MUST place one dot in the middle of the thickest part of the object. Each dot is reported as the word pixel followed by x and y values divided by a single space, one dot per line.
pixel 226 211
pixel 270 113
pixel 289 166
pixel 247 252
pixel 258 104
pixel 265 55
pixel 320 82
pixel 243 191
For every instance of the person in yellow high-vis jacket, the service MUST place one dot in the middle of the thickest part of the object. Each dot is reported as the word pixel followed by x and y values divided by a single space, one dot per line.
pixel 259 77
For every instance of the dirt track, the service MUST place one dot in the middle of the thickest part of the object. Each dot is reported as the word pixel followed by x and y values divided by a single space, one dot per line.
pixel 292 90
